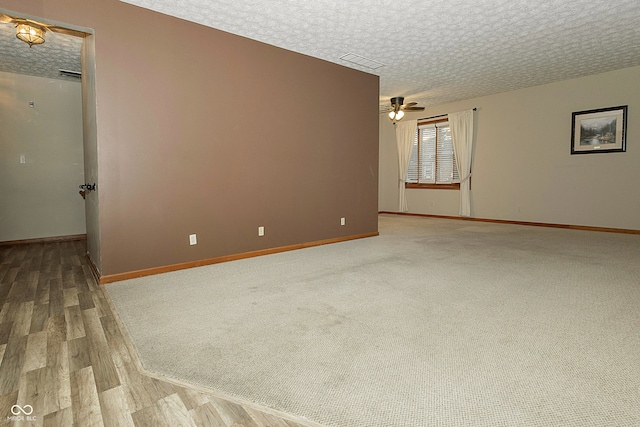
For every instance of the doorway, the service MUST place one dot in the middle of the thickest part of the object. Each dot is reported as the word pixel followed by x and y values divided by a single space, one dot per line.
pixel 47 141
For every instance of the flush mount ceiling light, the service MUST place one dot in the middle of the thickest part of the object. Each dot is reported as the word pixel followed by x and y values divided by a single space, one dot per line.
pixel 30 33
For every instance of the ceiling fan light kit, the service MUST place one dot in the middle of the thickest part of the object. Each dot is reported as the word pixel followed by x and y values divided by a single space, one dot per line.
pixel 396 115
pixel 30 33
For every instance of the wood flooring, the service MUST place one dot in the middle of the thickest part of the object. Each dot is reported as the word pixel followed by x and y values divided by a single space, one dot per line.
pixel 65 360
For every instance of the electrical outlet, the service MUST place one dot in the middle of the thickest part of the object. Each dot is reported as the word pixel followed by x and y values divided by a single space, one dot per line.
pixel 343 221
pixel 261 231
pixel 192 239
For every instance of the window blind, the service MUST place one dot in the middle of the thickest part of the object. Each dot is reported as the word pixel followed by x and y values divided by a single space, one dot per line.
pixel 432 157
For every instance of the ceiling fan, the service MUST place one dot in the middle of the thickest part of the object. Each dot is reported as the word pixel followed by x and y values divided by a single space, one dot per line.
pixel 397 109
pixel 32 32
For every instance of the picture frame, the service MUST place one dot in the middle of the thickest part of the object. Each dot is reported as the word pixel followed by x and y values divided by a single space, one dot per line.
pixel 599 131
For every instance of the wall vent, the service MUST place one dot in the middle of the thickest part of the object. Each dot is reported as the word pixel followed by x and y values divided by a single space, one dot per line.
pixel 362 61
pixel 72 74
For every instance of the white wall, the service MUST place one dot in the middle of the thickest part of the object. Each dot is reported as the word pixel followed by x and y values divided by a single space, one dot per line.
pixel 523 169
pixel 39 198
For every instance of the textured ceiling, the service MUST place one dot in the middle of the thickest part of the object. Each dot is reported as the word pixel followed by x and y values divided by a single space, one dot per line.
pixel 434 51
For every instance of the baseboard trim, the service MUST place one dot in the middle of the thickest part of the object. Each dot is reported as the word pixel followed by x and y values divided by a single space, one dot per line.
pixel 45 240
pixel 110 278
pixel 534 224
pixel 93 268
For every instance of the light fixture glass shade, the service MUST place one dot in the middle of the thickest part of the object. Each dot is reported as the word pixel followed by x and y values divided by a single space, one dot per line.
pixel 396 115
pixel 29 33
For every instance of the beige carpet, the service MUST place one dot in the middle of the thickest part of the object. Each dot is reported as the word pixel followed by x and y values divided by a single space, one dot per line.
pixel 433 323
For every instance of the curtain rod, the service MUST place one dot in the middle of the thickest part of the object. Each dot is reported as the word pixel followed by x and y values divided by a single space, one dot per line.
pixel 441 115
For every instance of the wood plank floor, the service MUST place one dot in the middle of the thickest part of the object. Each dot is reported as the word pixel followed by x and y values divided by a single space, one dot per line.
pixel 63 355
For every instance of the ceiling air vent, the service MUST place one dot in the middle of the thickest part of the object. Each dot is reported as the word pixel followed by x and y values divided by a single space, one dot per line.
pixel 362 61
pixel 72 74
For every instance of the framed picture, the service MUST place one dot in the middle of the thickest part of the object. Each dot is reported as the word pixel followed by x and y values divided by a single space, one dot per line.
pixel 599 131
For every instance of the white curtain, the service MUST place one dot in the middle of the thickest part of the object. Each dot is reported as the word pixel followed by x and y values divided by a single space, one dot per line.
pixel 405 134
pixel 461 125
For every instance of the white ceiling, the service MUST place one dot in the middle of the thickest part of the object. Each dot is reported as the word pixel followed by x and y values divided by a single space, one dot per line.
pixel 435 51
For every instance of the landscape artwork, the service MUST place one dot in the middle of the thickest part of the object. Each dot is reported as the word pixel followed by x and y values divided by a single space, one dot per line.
pixel 599 131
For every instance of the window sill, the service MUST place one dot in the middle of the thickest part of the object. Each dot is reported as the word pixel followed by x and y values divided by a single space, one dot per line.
pixel 434 186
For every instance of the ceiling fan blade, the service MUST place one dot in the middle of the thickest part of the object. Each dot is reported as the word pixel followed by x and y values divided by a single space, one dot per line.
pixel 410 104
pixel 413 109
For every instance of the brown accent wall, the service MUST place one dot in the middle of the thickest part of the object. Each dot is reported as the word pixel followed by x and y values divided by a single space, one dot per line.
pixel 200 131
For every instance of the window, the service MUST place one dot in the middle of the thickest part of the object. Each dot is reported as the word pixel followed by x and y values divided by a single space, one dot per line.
pixel 433 163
